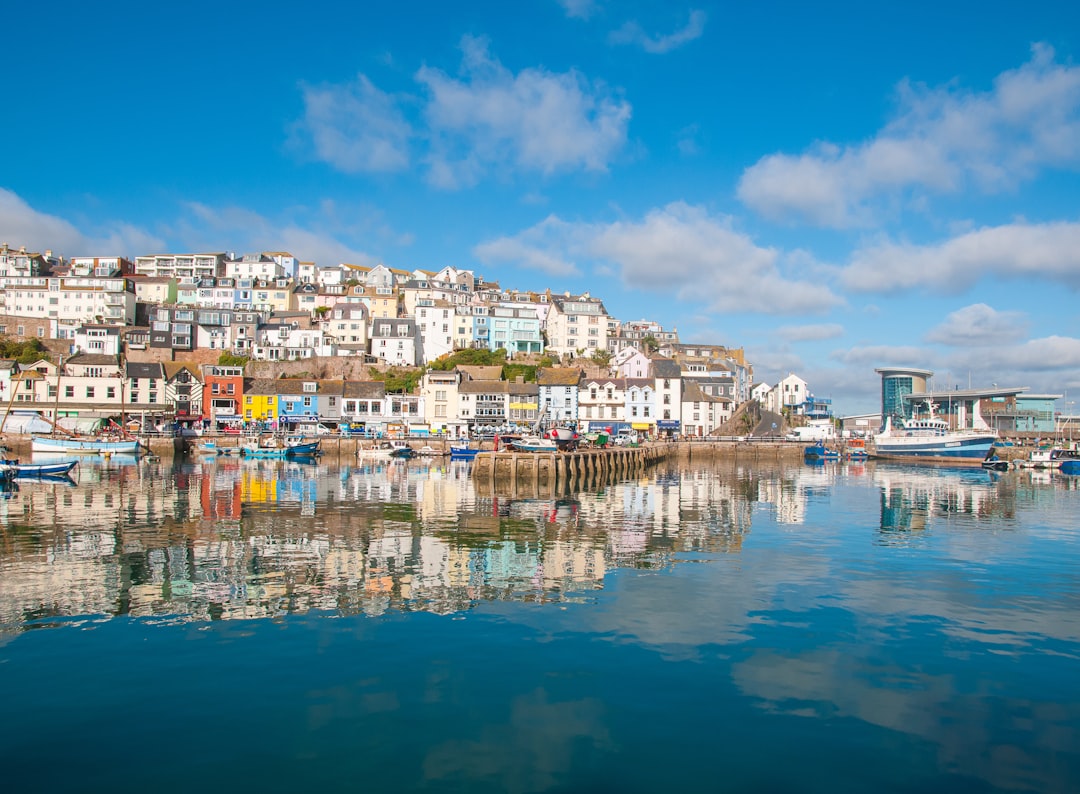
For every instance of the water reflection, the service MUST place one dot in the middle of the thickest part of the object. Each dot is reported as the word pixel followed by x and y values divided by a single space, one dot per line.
pixel 232 538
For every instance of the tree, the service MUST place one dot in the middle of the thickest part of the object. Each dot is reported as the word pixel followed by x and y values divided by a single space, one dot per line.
pixel 471 357
pixel 601 357
pixel 322 311
pixel 25 351
pixel 232 360
pixel 650 344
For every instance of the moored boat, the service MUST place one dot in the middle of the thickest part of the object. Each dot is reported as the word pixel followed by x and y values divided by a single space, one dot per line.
pixel 462 452
pixel 819 451
pixel 534 444
pixel 932 439
pixel 384 449
pixel 76 445
pixel 1070 466
pixel 279 447
pixel 36 470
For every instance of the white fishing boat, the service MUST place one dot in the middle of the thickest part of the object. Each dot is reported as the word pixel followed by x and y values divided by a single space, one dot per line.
pixel 534 444
pixel 931 439
pixel 385 449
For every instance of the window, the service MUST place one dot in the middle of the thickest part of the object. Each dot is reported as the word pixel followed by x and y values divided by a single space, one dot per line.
pixel 110 392
pixel 645 411
pixel 89 392
pixel 69 391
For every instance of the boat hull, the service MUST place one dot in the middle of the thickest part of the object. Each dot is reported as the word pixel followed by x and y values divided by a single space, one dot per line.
pixel 76 446
pixel 1070 467
pixel 969 449
pixel 33 471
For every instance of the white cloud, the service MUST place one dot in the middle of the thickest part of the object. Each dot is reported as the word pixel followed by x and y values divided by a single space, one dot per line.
pixel 632 33
pixel 1051 353
pixel 578 9
pixel 682 249
pixel 22 225
pixel 539 248
pixel 356 127
pixel 979 325
pixel 678 249
pixel 939 142
pixel 535 120
pixel 810 333
pixel 1042 252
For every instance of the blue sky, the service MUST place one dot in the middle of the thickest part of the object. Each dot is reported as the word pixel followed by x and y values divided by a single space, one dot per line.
pixel 834 187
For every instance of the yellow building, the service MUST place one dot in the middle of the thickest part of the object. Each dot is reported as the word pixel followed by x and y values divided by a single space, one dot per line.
pixel 261 400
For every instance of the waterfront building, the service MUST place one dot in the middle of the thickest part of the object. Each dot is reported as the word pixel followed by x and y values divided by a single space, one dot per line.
pixel 523 403
pixel 145 381
pixel 299 402
pixel 641 405
pixel 184 392
pixel 667 384
pixel 897 384
pixel 362 410
pixel 439 389
pixel 223 392
pixel 703 412
pixel 602 403
pixel 558 393
pixel 483 404
pixel 791 393
pixel 907 392
pixel 260 402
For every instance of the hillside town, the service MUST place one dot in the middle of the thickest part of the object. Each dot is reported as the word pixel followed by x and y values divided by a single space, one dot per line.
pixel 224 343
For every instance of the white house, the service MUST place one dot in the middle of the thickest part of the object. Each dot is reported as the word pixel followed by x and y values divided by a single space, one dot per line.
pixel 396 341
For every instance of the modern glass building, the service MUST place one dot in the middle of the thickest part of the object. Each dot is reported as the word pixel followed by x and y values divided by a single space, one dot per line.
pixel 896 383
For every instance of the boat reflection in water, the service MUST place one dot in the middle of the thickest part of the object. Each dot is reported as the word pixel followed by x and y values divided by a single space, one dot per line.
pixel 895 624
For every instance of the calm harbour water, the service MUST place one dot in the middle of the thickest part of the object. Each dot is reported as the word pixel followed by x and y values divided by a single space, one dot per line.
pixel 274 626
